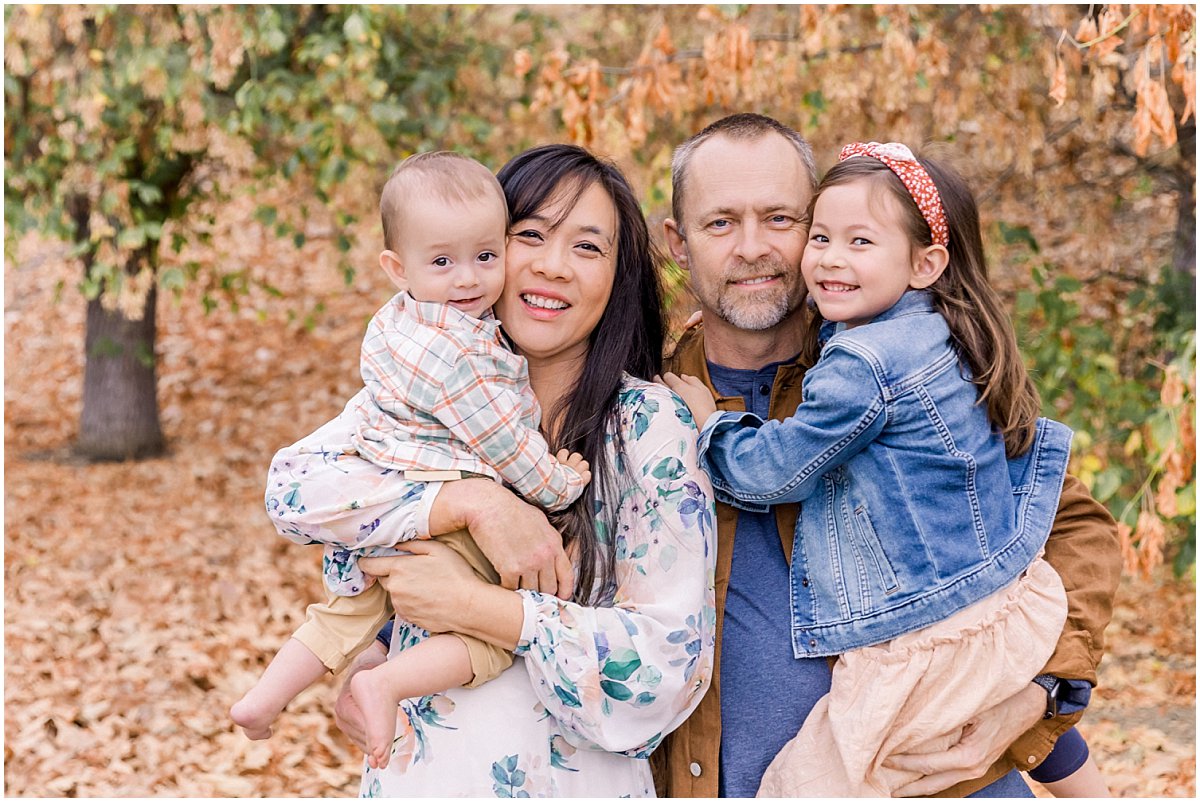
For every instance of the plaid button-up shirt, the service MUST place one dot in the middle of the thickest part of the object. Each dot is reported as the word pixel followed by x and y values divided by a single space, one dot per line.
pixel 445 394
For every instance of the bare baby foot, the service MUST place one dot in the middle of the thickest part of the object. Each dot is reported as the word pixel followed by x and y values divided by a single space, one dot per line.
pixel 254 718
pixel 378 705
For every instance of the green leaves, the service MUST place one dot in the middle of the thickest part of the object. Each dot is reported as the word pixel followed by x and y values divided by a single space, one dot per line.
pixel 1090 377
pixel 121 105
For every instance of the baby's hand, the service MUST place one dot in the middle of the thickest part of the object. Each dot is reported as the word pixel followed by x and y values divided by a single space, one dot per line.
pixel 694 394
pixel 575 462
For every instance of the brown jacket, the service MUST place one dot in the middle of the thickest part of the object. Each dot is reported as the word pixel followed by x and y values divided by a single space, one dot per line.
pixel 1082 547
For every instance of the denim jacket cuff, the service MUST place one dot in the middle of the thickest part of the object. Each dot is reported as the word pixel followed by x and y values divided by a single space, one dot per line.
pixel 719 421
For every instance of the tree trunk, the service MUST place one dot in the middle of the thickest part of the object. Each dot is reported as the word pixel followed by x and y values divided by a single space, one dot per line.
pixel 120 401
pixel 1185 232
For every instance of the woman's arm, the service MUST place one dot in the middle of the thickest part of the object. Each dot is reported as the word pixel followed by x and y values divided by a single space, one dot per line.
pixel 616 677
pixel 311 490
pixel 523 547
pixel 317 491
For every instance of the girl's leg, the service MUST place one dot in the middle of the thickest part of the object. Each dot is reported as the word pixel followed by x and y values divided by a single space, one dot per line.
pixel 1069 770
pixel 1086 781
pixel 432 666
pixel 292 670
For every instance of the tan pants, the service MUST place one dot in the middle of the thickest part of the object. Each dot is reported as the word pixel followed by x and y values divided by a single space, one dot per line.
pixel 343 626
pixel 913 694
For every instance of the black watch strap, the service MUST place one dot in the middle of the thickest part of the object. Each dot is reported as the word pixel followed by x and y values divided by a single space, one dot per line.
pixel 1053 687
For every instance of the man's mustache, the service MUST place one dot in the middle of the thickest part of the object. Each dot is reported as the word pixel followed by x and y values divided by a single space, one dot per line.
pixel 758 269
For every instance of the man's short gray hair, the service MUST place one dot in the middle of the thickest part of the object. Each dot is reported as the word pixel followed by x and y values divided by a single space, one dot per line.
pixel 740 127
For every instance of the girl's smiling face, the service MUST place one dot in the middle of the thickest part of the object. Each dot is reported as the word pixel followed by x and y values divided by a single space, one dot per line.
pixel 558 277
pixel 858 260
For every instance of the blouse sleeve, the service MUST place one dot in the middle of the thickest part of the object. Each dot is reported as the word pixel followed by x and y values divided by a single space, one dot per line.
pixel 620 677
pixel 319 492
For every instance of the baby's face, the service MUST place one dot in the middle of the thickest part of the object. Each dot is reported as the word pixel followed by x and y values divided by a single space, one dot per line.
pixel 453 252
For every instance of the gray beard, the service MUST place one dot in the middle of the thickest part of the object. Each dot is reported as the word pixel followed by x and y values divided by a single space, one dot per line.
pixel 759 316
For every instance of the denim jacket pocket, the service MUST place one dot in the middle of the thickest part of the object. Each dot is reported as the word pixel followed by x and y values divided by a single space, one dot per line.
pixel 864 533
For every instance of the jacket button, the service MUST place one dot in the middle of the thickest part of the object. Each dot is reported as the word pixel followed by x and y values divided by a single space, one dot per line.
pixel 804 582
pixel 764 389
pixel 694 769
pixel 1031 759
pixel 812 644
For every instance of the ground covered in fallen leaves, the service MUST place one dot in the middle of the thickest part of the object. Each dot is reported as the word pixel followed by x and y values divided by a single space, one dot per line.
pixel 141 599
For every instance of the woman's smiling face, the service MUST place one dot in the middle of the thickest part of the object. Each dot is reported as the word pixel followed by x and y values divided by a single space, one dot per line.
pixel 558 278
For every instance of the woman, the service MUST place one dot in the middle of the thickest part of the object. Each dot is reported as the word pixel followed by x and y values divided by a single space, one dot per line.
pixel 605 675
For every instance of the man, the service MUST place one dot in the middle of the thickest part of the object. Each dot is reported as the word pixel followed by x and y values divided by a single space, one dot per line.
pixel 741 190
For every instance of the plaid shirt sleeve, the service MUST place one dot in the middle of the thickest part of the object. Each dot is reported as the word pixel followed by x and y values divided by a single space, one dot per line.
pixel 480 403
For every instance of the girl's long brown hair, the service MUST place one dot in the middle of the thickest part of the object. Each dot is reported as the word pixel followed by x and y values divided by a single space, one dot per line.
pixel 980 329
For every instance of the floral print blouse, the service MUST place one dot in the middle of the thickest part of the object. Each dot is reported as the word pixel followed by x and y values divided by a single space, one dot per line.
pixel 593 689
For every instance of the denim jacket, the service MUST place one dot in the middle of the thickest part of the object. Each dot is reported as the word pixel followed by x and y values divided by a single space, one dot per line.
pixel 910 509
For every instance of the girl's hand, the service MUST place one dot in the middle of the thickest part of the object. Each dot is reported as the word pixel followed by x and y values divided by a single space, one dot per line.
pixel 694 394
pixel 432 588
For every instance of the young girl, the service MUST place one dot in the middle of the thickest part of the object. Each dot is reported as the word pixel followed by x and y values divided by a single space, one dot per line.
pixel 911 559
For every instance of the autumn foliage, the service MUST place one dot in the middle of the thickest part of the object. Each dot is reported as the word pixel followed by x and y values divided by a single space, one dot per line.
pixel 1068 100
pixel 228 158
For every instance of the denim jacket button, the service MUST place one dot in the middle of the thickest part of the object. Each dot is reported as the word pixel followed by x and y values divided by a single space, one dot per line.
pixel 764 389
pixel 812 644
pixel 804 581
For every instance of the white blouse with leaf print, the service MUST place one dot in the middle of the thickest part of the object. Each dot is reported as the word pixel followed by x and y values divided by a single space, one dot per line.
pixel 598 687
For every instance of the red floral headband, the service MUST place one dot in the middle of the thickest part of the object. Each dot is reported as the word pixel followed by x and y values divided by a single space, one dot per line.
pixel 901 161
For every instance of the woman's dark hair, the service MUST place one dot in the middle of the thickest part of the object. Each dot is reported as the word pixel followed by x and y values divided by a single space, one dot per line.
pixel 627 339
pixel 980 329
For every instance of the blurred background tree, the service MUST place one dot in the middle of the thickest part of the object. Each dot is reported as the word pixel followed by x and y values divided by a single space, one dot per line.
pixel 120 120
pixel 127 131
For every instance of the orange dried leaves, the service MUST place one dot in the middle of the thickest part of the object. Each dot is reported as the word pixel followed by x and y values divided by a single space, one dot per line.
pixel 1161 43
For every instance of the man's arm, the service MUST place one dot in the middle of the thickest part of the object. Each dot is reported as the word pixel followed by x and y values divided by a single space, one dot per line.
pixel 1083 548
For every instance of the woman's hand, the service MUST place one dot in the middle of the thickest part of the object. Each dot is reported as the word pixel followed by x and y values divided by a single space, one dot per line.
pixel 437 590
pixel 693 392
pixel 523 547
pixel 428 588
pixel 346 713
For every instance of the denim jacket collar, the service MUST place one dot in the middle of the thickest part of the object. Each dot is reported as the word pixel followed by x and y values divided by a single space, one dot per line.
pixel 912 302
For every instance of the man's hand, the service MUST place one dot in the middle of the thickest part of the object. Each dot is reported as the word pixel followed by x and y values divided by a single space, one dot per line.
pixel 521 544
pixel 984 739
pixel 346 713
pixel 698 397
